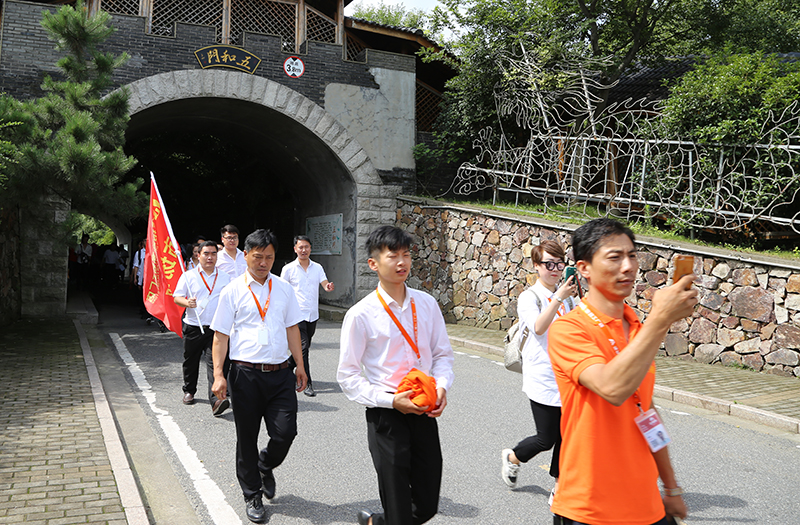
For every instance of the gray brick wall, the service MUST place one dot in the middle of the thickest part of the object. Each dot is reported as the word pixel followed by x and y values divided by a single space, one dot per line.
pixel 27 55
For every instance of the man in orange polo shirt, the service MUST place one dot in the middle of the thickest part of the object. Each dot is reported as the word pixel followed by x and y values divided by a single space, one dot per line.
pixel 603 362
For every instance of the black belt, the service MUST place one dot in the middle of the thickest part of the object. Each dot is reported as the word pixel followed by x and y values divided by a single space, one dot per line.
pixel 263 367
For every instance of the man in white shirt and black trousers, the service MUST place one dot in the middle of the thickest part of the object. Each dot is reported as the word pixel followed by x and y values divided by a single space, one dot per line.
pixel 231 258
pixel 258 314
pixel 306 276
pixel 198 290
pixel 389 333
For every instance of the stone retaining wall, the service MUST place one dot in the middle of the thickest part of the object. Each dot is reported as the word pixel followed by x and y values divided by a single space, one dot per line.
pixel 476 264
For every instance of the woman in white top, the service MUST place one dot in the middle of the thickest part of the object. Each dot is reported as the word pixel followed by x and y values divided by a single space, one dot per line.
pixel 537 307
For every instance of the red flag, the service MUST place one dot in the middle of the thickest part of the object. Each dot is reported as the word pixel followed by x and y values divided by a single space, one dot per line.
pixel 163 265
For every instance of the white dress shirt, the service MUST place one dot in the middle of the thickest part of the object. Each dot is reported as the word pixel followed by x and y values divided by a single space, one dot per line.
pixel 233 267
pixel 191 284
pixel 138 263
pixel 238 316
pixel 305 282
pixel 370 339
pixel 538 380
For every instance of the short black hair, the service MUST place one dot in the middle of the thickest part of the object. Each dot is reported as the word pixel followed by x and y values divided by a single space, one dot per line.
pixel 587 239
pixel 228 228
pixel 298 238
pixel 390 237
pixel 207 244
pixel 261 239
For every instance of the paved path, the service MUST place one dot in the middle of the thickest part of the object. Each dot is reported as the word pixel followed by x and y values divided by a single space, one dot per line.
pixel 56 457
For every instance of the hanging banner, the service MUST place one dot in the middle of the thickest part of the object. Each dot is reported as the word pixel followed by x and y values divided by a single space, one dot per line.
pixel 163 265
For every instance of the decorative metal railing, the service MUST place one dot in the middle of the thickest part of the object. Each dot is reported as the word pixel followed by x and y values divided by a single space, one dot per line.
pixel 622 160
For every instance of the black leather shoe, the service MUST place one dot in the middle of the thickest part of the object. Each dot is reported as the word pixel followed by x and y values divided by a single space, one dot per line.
pixel 188 399
pixel 220 406
pixel 268 483
pixel 255 510
pixel 364 517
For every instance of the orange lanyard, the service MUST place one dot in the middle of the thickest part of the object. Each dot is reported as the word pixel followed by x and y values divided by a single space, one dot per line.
pixel 400 326
pixel 561 309
pixel 210 290
pixel 589 313
pixel 262 311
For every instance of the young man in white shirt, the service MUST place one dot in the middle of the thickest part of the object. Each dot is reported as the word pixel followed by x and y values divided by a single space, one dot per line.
pixel 258 314
pixel 306 276
pixel 198 290
pixel 231 259
pixel 403 437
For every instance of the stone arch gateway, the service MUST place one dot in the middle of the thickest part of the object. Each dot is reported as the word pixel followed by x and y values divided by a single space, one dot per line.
pixel 336 176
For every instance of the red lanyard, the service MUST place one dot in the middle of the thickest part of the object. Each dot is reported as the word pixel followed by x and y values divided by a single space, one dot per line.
pixel 210 290
pixel 400 326
pixel 262 311
pixel 588 311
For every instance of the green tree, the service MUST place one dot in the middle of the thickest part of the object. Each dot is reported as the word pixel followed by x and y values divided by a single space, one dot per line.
pixel 392 15
pixel 70 140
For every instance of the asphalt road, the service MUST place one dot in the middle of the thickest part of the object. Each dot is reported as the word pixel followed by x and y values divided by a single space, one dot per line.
pixel 733 471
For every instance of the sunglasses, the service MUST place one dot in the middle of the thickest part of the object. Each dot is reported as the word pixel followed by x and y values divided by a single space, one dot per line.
pixel 553 265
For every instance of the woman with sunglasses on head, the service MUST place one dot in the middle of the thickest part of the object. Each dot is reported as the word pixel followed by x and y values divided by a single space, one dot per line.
pixel 537 308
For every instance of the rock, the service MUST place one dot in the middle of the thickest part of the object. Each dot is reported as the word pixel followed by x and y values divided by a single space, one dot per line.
pixel 493 299
pixel 712 300
pixel 679 326
pixel 793 284
pixel 721 271
pixel 498 312
pixel 676 344
pixel 477 238
pixel 707 353
pixel 763 280
pixel 730 322
pixel 726 288
pixel 728 338
pixel 768 330
pixel 515 256
pixel 745 277
pixel 750 326
pixel 655 278
pixel 484 284
pixel 780 273
pixel 521 235
pixel 708 282
pixel 754 361
pixel 702 331
pixel 787 336
pixel 647 260
pixel 492 238
pixel 765 347
pixel 751 346
pixel 751 303
pixel 792 301
pixel 711 315
pixel 784 356
pixel 730 358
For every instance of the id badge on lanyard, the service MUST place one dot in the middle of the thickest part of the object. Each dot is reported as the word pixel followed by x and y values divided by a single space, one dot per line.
pixel 649 423
pixel 263 334
pixel 203 303
pixel 653 430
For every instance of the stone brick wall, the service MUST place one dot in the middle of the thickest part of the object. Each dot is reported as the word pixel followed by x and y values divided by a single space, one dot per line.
pixel 10 302
pixel 476 264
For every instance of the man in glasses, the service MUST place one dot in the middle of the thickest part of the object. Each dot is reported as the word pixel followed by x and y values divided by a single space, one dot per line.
pixel 231 259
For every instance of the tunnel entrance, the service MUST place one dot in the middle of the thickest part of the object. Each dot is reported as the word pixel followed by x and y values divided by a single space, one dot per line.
pixel 224 161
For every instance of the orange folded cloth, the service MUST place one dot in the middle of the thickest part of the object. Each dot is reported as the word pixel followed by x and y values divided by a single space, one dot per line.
pixel 423 388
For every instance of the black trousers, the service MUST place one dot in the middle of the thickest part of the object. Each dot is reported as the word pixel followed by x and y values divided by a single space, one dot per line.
pixel 408 460
pixel 548 435
pixel 260 395
pixel 196 347
pixel 560 520
pixel 307 329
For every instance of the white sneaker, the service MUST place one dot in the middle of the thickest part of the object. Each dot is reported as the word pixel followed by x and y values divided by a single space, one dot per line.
pixel 509 470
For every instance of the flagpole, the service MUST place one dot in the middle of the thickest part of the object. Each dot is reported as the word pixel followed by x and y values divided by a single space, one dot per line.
pixel 196 313
pixel 166 219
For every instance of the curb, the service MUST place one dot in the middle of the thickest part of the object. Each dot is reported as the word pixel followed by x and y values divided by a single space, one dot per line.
pixel 135 512
pixel 762 417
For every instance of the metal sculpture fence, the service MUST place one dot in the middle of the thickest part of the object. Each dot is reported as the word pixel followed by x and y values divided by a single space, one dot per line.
pixel 583 159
